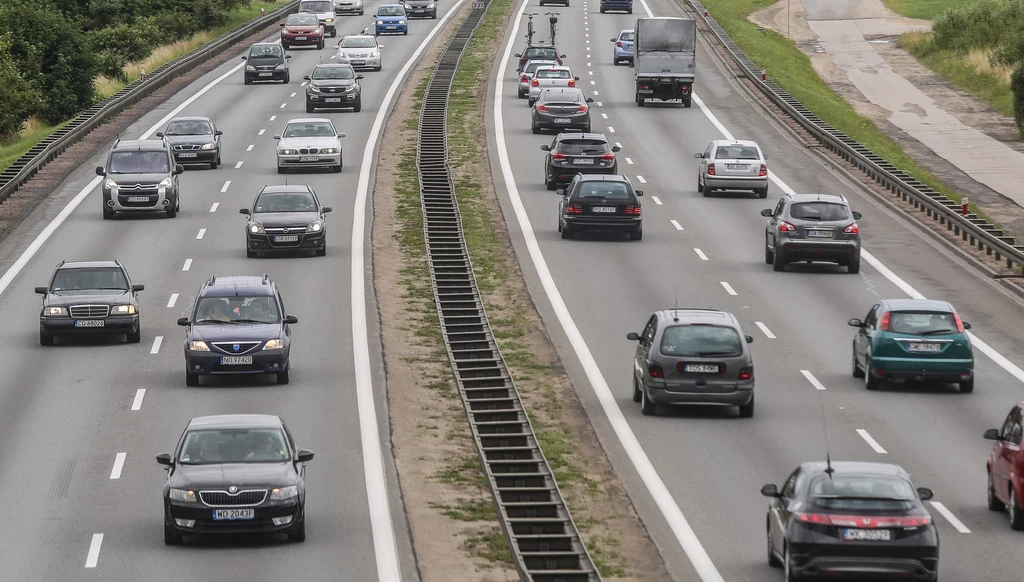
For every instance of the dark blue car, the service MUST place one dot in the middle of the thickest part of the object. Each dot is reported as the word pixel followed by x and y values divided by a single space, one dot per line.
pixel 617 5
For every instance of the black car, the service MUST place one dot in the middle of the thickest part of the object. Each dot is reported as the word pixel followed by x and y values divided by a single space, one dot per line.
pixel 538 52
pixel 267 61
pixel 238 326
pixel 600 202
pixel 851 520
pixel 235 474
pixel 574 153
pixel 333 86
pixel 285 218
pixel 140 176
pixel 194 140
pixel 561 108
pixel 420 8
pixel 89 298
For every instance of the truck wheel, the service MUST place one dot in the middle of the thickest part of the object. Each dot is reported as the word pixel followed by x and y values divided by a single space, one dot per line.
pixel 687 101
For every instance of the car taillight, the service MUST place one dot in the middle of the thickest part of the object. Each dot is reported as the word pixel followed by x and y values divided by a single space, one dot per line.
pixel 574 209
pixel 542 108
pixel 959 323
pixel 786 227
pixel 711 169
pixel 582 109
pixel 558 157
pixel 654 369
pixel 764 171
pixel 525 78
pixel 746 373
pixel 618 43
pixel 535 83
pixel 633 210
pixel 608 157
pixel 572 82
pixel 852 229
pixel 863 522
pixel 884 325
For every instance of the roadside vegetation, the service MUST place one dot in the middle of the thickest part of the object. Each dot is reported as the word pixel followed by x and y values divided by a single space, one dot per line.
pixel 923 9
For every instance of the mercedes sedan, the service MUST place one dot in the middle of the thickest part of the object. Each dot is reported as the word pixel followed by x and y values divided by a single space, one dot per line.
pixel 285 218
pixel 310 142
pixel 194 140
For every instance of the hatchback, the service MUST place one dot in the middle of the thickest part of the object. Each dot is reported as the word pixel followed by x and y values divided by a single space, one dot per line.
pixel 549 77
pixel 573 153
pixel 1005 467
pixel 812 227
pixel 920 339
pixel 623 50
pixel 560 109
pixel 598 202
pixel 732 165
pixel 693 356
pixel 526 75
pixel 391 19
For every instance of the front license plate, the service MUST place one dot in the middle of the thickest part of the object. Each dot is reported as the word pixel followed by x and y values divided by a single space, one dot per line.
pixel 819 234
pixel 332 100
pixel 228 514
pixel 358 63
pixel 138 199
pixel 737 167
pixel 561 120
pixel 300 38
pixel 235 360
pixel 603 209
pixel 924 347
pixel 286 238
pixel 188 155
pixel 266 74
pixel 309 158
pixel 701 368
pixel 579 161
pixel 418 11
pixel 88 323
pixel 390 27
pixel 867 535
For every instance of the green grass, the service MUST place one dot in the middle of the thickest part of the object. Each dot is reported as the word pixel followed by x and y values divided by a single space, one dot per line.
pixel 925 9
pixel 14 147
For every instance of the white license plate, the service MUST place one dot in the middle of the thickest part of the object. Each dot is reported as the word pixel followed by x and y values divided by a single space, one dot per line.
pixel 867 535
pixel 235 360
pixel 819 234
pixel 701 368
pixel 88 323
pixel 355 63
pixel 266 74
pixel 418 11
pixel 646 91
pixel 309 158
pixel 737 167
pixel 138 199
pixel 561 120
pixel 579 161
pixel 300 38
pixel 286 238
pixel 924 347
pixel 390 27
pixel 188 155
pixel 228 514
pixel 332 100
pixel 603 209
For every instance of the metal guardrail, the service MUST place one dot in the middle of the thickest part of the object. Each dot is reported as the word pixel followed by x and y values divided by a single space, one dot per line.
pixel 53 146
pixel 977 231
pixel 544 541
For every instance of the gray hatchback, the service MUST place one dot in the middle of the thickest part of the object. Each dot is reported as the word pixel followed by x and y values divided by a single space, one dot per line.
pixel 812 227
pixel 693 356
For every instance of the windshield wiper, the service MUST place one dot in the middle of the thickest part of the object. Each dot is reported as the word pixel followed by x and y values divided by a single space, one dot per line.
pixel 935 331
pixel 861 498
pixel 248 321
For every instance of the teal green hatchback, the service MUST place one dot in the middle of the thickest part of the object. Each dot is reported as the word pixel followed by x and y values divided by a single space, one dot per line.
pixel 913 339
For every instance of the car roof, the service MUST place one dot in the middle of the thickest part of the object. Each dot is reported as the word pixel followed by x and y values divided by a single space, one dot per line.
pixel 225 421
pixel 860 468
pixel 286 188
pixel 149 145
pixel 625 30
pixel 194 118
pixel 330 66
pixel 309 120
pixel 569 134
pixel 266 43
pixel 558 67
pixel 740 142
pixel 89 264
pixel 604 178
pixel 534 46
pixel 919 304
pixel 551 91
pixel 237 285
pixel 831 198
pixel 696 315
pixel 390 6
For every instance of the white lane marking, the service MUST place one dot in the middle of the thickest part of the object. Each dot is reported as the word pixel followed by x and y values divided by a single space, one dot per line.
pixel 959 525
pixel 728 288
pixel 700 254
pixel 137 402
pixel 303 84
pixel 172 300
pixel 618 144
pixel 283 105
pixel 871 441
pixel 273 117
pixel 262 131
pixel 814 381
pixel 214 207
pixel 94 551
pixel 593 83
pixel 611 129
pixel 641 179
pixel 115 472
pixel 629 161
pixel 156 344
pixel 768 333
pixel 656 200
pixel 595 91
pixel 676 224
pixel 588 42
pixel 604 116
pixel 588 64
pixel 599 104
pixel 42 237
pixel 334 56
pixel 187 265
pixel 293 95
pixel 590 72
pixel 384 544
pixel 238 165
pixel 249 149
pixel 224 188
pixel 201 234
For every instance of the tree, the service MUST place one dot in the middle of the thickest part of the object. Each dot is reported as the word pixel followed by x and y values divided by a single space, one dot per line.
pixel 1017 85
pixel 18 98
pixel 116 46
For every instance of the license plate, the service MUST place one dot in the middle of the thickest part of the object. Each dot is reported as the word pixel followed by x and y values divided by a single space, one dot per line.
pixel 737 167
pixel 819 234
pixel 188 155
pixel 309 158
pixel 646 91
pixel 390 27
pixel 418 11
pixel 228 514
pixel 579 161
pixel 235 360
pixel 266 74
pixel 138 199
pixel 604 209
pixel 332 100
pixel 561 120
pixel 867 535
pixel 300 38
pixel 924 347
pixel 89 323
pixel 701 368
pixel 355 63
pixel 286 238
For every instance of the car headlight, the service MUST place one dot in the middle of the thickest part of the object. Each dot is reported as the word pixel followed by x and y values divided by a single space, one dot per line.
pixel 350 88
pixel 123 310
pixel 255 227
pixel 55 311
pixel 315 226
pixel 208 146
pixel 186 495
pixel 274 344
pixel 250 68
pixel 198 346
pixel 329 20
pixel 372 55
pixel 329 151
pixel 279 67
pixel 380 22
pixel 282 493
pixel 165 183
pixel 110 184
pixel 432 4
pixel 287 152
pixel 401 22
pixel 314 88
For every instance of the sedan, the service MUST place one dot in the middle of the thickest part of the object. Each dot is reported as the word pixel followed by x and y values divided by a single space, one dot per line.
pixel 235 474
pixel 851 520
pixel 526 75
pixel 812 227
pixel 285 218
pixel 309 143
pixel 348 7
pixel 574 153
pixel 623 50
pixel 732 165
pixel 599 202
pixel 548 78
pixel 333 86
pixel 917 339
pixel 421 8
pixel 194 140
pixel 361 51
pixel 561 109
pixel 302 30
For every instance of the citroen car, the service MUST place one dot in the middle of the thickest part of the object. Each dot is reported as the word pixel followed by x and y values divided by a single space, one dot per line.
pixel 844 520
pixel 391 19
pixel 421 8
pixel 812 227
pixel 235 474
pixel 285 218
pixel 324 11
pixel 1005 467
pixel 548 78
pixel 573 153
pixel 623 50
pixel 309 143
pixel 141 176
pixel 237 325
pixel 362 51
pixel 266 61
pixel 333 86
pixel 693 356
pixel 732 165
pixel 913 339
pixel 526 75
pixel 560 109
pixel 600 202
pixel 538 52
pixel 302 30
pixel 194 140
pixel 348 7
pixel 89 298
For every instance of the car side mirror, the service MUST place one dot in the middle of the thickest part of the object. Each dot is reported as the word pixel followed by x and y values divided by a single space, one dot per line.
pixel 326 209
pixel 244 58
pixel 245 211
pixel 613 40
pixel 561 192
pixel 616 149
pixel 305 77
pixel 767 212
pixel 856 215
pixel 590 99
pixel 41 290
pixel 342 134
pixel 750 339
pixel 164 459
pixel 633 336
pixel 575 78
pixel 967 325
pixel 100 171
pixel 519 55
pixel 545 148
pixel 561 56
pixel 639 192
pixel 183 321
pixel 304 455
pixel 925 493
pixel 698 156
pixel 992 434
pixel 855 323
pixel 138 287
pixel 359 77
pixel 519 70
pixel 159 134
pixel 337 45
pixel 291 319
pixel 770 491
pixel 179 169
pixel 277 136
pixel 218 132
pixel 287 56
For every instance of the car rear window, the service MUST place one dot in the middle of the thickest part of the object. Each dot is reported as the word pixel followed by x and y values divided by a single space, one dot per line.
pixel 552 74
pixel 862 493
pixel 608 190
pixel 581 147
pixel 701 341
pixel 922 322
pixel 559 95
pixel 627 36
pixel 819 211
pixel 543 52
pixel 736 153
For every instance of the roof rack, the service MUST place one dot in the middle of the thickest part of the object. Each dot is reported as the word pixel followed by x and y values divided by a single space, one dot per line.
pixel 213 279
pixel 266 279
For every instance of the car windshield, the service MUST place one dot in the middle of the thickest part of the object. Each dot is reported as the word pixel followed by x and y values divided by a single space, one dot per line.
pixel 628 35
pixel 189 128
pixel 266 51
pixel 358 42
pixel 139 163
pixel 736 153
pixel 215 447
pixel 309 129
pixel 391 11
pixel 819 211
pixel 605 190
pixel 922 322
pixel 583 147
pixel 317 6
pixel 74 279
pixel 238 309
pixel 289 202
pixel 302 20
pixel 703 341
pixel 343 72
pixel 862 493
pixel 543 52
pixel 552 74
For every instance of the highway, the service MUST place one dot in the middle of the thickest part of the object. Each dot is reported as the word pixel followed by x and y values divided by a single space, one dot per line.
pixel 80 423
pixel 695 474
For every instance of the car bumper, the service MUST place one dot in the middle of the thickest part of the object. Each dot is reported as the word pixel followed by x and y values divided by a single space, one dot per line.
pixel 360 63
pixel 209 363
pixel 573 122
pixel 932 369
pixel 810 250
pixel 264 242
pixel 562 175
pixel 858 567
pixel 623 223
pixel 421 12
pixel 114 324
pixel 332 100
pixel 196 157
pixel 391 28
pixel 265 75
pixel 348 9
pixel 735 183
pixel 738 394
pixel 132 201
pixel 308 40
pixel 204 524
pixel 621 54
pixel 323 161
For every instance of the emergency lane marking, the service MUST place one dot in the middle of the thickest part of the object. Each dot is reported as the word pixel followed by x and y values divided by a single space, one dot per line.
pixel 728 288
pixel 871 441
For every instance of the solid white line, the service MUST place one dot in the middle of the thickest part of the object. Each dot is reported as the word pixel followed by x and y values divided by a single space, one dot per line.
pixel 94 551
pixel 187 265
pixel 656 200
pixel 137 402
pixel 215 206
pixel 728 288
pixel 701 254
pixel 283 105
pixel 871 441
pixel 202 233
pixel 156 344
pixel 814 381
pixel 115 473
pixel 224 188
pixel 261 131
pixel 172 300
pixel 273 117
pixel 629 161
pixel 676 224
pixel 238 165
pixel 293 94
pixel 249 149
pixel 611 129
pixel 641 179
pixel 767 332
pixel 959 525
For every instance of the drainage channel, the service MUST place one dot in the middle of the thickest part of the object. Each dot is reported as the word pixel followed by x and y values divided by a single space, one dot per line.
pixel 544 542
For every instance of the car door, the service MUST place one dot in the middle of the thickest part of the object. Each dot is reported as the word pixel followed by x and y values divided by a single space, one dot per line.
pixel 643 348
pixel 862 341
pixel 1009 454
pixel 773 222
pixel 284 314
pixel 779 511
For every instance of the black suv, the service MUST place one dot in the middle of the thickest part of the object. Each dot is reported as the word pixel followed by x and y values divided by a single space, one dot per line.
pixel 599 202
pixel 141 176
pixel 333 86
pixel 195 140
pixel 575 153
pixel 267 61
pixel 285 218
pixel 238 326
pixel 89 298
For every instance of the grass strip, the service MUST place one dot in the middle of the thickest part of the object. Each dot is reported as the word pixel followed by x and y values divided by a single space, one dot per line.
pixel 923 9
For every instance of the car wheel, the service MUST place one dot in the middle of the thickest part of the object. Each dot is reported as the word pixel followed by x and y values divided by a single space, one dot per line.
pixel 769 256
pixel 286 46
pixel 358 106
pixel 535 129
pixel 747 410
pixel 700 185
pixel 282 377
pixel 687 102
pixel 214 164
pixel 310 108
pixel 647 408
pixel 45 339
pixel 871 382
pixel 637 393
pixel 967 386
pixel 1016 512
pixel 299 535
pixel 136 336
pixel 567 232
pixel 762 192
pixel 334 33
pixel 640 101
pixel 854 266
pixel 171 538
pixel 321 45
pixel 773 560
pixel 172 211
pixel 629 11
pixel 857 371
pixel 779 261
pixel 191 379
pixel 250 254
pixel 637 234
pixel 993 502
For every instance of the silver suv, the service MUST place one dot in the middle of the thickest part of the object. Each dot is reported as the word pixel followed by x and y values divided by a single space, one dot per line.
pixel 141 176
pixel 693 356
pixel 812 227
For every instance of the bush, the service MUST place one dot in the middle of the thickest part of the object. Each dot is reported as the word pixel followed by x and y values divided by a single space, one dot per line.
pixel 18 98
pixel 116 46
pixel 1017 85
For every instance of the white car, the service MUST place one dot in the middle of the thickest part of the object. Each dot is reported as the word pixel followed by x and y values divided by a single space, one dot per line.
pixel 324 10
pixel 309 142
pixel 361 51
pixel 550 77
pixel 527 74
pixel 348 7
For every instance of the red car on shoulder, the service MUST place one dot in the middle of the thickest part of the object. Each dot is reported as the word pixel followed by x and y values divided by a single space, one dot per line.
pixel 1006 467
pixel 302 30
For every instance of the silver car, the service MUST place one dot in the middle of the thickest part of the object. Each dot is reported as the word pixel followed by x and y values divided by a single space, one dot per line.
pixel 733 165
pixel 812 227
pixel 348 7
pixel 693 356
pixel 548 77
pixel 362 51
pixel 526 75
pixel 309 142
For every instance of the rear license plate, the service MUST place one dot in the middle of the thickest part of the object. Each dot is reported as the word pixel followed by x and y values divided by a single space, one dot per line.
pixel 300 38
pixel 646 91
pixel 737 167
pixel 138 199
pixel 701 368
pixel 924 347
pixel 228 514
pixel 561 120
pixel 579 161
pixel 286 238
pixel 332 100
pixel 235 360
pixel 266 74
pixel 603 209
pixel 89 323
pixel 819 234
pixel 867 535
pixel 309 158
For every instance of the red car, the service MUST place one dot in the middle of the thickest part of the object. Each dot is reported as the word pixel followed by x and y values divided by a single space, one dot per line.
pixel 1006 467
pixel 302 29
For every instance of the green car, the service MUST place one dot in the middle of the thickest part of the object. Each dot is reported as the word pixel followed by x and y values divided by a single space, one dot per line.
pixel 918 339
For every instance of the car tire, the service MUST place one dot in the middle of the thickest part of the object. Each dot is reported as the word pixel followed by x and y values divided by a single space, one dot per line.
pixel 321 45
pixel 1016 512
pixel 567 232
pixel 640 101
pixel 773 560
pixel 299 535
pixel 853 267
pixel 700 185
pixel 171 538
pixel 334 33
pixel 637 234
pixel 282 377
pixel 405 32
pixel 687 102
pixel 45 339
pixel 993 502
pixel 358 106
pixel 769 256
pixel 647 407
pixel 310 108
pixel 762 192
pixel 281 170
pixel 535 129
pixel 637 394
pixel 747 410
pixel 286 46
pixel 629 11
pixel 871 382
pixel 779 261
pixel 858 372
pixel 250 254
pixel 135 336
pixel 191 379
pixel 967 386
pixel 172 211
pixel 529 102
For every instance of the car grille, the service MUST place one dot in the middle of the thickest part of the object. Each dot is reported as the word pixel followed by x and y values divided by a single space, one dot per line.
pixel 309 150
pixel 240 499
pixel 333 90
pixel 266 68
pixel 229 347
pixel 187 147
pixel 89 311
pixel 151 199
pixel 286 230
